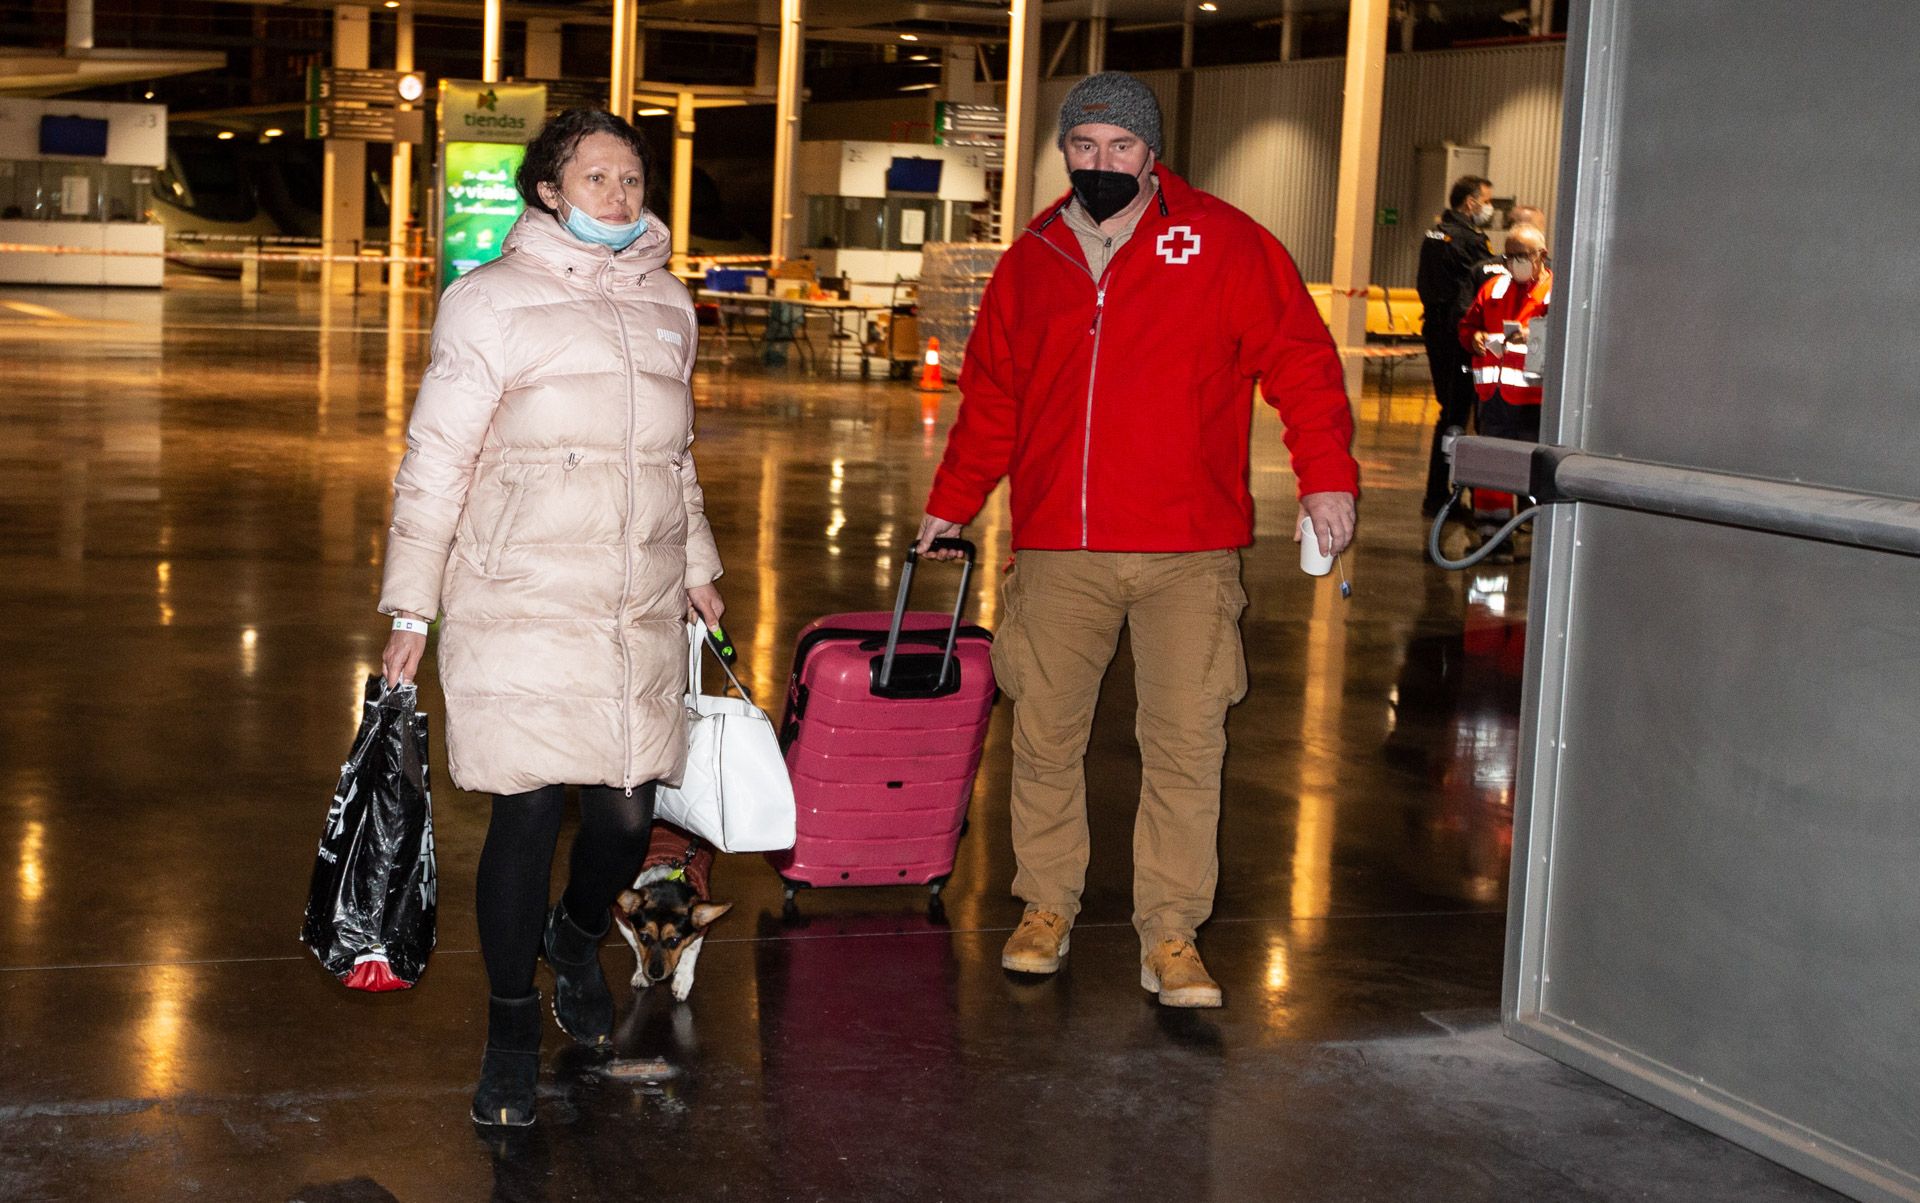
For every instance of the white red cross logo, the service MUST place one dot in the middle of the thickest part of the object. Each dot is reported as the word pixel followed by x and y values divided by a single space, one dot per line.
pixel 1178 252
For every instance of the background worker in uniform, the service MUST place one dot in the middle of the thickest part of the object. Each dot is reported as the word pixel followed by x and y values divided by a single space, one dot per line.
pixel 1110 377
pixel 1451 255
pixel 1495 331
pixel 1526 215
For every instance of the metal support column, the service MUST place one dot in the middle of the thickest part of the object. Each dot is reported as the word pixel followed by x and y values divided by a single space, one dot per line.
pixel 786 128
pixel 343 201
pixel 400 208
pixel 623 68
pixel 1023 101
pixel 683 125
pixel 1358 181
pixel 490 42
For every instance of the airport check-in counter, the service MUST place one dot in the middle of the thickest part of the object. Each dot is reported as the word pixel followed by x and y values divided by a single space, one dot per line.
pixel 872 206
pixel 78 176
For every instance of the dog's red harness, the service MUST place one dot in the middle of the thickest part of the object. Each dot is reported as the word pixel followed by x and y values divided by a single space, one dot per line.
pixel 671 847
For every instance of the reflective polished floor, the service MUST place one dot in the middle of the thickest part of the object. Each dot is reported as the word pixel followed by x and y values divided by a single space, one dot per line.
pixel 193 491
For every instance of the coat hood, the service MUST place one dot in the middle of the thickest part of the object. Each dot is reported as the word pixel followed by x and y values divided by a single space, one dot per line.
pixel 541 235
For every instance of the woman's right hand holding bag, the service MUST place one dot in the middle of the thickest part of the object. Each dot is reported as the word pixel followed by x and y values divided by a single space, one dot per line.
pixel 401 660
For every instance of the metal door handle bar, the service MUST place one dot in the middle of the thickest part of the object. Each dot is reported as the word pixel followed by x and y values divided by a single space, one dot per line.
pixel 1550 474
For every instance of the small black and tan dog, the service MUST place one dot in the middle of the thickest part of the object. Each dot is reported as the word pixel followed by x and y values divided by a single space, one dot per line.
pixel 665 916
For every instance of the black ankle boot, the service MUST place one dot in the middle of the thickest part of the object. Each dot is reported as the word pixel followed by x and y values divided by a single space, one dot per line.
pixel 511 1067
pixel 581 1000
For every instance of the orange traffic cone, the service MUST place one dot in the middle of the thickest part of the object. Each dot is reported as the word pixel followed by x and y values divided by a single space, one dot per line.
pixel 930 381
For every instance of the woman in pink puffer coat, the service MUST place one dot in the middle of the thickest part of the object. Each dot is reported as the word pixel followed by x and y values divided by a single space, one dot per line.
pixel 548 512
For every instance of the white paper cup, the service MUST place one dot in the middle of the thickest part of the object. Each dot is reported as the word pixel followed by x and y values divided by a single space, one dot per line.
pixel 1312 562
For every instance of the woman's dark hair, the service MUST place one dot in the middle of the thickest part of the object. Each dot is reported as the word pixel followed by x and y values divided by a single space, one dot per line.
pixel 553 147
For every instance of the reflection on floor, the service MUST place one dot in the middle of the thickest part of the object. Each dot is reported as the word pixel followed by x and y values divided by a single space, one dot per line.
pixel 193 488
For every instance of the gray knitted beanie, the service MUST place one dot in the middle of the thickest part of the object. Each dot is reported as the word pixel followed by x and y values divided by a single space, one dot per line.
pixel 1112 98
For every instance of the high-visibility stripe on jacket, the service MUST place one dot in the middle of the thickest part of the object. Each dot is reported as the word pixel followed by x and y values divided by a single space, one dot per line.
pixel 1120 406
pixel 1499 301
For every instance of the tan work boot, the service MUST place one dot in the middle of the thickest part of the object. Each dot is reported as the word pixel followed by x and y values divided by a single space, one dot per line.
pixel 1037 945
pixel 1174 971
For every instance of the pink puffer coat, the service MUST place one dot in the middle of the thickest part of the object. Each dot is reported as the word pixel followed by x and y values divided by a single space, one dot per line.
pixel 548 510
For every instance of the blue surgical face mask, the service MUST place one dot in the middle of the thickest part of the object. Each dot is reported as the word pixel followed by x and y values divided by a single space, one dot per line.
pixel 588 228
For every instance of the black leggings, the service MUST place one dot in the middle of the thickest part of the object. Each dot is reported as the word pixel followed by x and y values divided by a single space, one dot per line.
pixel 517 861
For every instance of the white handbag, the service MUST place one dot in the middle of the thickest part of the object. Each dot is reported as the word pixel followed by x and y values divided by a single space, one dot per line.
pixel 735 793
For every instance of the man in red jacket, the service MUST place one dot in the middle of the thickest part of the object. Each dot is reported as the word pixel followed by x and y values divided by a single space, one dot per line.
pixel 1111 375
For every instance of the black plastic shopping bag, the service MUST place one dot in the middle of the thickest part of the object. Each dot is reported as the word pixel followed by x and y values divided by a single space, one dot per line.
pixel 370 910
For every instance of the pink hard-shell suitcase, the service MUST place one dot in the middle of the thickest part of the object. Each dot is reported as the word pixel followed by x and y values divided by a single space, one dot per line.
pixel 886 717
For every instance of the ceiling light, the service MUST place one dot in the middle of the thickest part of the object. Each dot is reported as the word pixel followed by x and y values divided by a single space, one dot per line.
pixel 1209 7
pixel 412 86
pixel 393 3
pixel 272 133
pixel 918 87
pixel 149 93
pixel 224 135
pixel 909 37
pixel 912 58
pixel 651 113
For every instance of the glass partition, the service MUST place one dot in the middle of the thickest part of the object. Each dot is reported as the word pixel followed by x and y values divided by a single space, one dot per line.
pixel 57 191
pixel 894 223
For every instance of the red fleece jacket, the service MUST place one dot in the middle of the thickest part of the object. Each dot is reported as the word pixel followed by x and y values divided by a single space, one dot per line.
pixel 1121 408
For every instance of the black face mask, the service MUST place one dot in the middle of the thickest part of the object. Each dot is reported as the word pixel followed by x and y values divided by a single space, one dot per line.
pixel 1104 193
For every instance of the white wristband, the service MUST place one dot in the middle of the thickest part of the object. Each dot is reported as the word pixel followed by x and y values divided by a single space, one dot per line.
pixel 411 624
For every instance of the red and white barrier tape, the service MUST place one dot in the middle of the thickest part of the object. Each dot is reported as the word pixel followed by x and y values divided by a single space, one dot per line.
pixel 30 248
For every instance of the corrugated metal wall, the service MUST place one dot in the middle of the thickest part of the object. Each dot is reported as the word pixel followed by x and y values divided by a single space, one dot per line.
pixel 1506 99
pixel 1267 139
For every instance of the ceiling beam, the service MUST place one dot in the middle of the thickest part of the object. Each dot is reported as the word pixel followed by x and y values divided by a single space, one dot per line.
pixel 852 21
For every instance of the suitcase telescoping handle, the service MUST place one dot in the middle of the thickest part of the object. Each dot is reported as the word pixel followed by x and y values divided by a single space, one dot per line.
pixel 966 548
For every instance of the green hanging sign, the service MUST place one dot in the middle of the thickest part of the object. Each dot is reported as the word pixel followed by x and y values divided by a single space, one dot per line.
pixel 484 128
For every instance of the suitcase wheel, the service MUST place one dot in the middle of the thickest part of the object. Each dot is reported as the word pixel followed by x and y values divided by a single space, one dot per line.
pixel 790 909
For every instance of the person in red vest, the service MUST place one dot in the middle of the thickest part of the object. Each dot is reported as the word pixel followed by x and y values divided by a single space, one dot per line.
pixel 1110 379
pixel 1495 331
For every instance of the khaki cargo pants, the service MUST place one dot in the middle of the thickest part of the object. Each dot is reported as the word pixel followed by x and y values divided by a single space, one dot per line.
pixel 1061 614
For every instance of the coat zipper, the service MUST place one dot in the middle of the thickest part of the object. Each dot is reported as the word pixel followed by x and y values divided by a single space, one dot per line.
pixel 626 541
pixel 1086 445
pixel 1093 372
